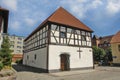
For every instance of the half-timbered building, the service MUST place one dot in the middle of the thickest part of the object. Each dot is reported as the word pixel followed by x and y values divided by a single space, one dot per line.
pixel 60 43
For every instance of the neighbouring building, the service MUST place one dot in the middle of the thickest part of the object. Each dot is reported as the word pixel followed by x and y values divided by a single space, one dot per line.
pixel 4 13
pixel 115 44
pixel 16 43
pixel 102 42
pixel 16 46
pixel 60 43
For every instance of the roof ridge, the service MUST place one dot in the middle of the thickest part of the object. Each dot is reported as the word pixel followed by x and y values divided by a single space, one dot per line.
pixel 107 36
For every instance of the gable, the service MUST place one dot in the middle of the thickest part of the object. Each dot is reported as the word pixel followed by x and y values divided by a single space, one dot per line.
pixel 62 16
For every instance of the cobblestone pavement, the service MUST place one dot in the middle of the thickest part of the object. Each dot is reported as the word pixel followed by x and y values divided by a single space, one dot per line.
pixel 100 73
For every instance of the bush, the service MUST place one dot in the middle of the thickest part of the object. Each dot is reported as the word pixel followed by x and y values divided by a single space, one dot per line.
pixel 1 66
pixel 98 54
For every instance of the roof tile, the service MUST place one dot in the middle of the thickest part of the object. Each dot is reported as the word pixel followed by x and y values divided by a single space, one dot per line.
pixel 116 38
pixel 64 17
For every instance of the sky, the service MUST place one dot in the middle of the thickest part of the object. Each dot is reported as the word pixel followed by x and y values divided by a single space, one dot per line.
pixel 102 16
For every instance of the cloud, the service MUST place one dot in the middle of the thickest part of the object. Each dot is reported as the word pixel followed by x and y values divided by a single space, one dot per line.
pixel 113 7
pixel 11 4
pixel 95 4
pixel 30 22
pixel 15 25
pixel 80 7
pixel 30 13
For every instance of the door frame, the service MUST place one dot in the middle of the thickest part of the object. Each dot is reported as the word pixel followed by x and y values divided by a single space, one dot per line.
pixel 64 62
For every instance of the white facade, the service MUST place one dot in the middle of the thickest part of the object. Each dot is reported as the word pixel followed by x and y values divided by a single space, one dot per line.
pixel 44 48
pixel 1 32
pixel 36 58
pixel 83 59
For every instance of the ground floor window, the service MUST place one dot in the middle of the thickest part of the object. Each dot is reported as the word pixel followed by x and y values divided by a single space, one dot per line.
pixel 119 47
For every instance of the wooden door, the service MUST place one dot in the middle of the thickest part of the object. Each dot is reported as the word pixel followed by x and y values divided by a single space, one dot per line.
pixel 65 62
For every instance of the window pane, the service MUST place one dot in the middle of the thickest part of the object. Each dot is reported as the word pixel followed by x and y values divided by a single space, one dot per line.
pixel 83 32
pixel 19 38
pixel 53 27
pixel 69 30
pixel 78 31
pixel 63 29
pixel 83 38
pixel 62 34
pixel 119 47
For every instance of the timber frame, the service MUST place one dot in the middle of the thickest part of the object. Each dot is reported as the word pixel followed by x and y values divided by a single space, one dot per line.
pixel 42 37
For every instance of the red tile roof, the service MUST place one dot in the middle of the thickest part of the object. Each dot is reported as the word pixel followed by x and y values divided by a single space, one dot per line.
pixel 105 39
pixel 61 16
pixel 64 17
pixel 17 55
pixel 116 38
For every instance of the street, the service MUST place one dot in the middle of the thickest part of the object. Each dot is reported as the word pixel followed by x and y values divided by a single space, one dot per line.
pixel 99 73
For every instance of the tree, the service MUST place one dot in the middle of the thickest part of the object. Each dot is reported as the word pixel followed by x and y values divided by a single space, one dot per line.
pixel 98 53
pixel 5 52
pixel 108 57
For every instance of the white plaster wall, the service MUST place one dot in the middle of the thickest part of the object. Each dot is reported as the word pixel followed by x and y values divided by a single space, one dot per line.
pixel 85 59
pixel 2 26
pixel 40 61
pixel 1 37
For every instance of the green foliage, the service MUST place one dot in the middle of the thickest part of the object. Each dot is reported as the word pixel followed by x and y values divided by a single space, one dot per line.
pixel 109 54
pixel 98 53
pixel 5 52
pixel 1 66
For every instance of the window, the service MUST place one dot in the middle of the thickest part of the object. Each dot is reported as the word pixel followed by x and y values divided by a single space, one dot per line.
pixel 18 46
pixel 18 51
pixel 35 56
pixel 109 44
pixel 12 42
pixel 19 42
pixel 63 34
pixel 119 47
pixel 77 31
pixel 54 27
pixel 12 46
pixel 19 38
pixel 63 29
pixel 27 57
pixel 83 32
pixel 12 37
pixel 83 38
pixel 69 30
